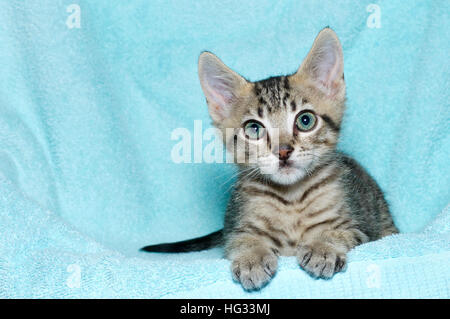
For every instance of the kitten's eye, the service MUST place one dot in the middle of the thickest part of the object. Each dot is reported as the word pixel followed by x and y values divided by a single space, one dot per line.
pixel 254 130
pixel 306 121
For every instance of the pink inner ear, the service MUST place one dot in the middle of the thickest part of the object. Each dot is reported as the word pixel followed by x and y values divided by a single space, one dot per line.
pixel 218 99
pixel 219 92
pixel 221 88
pixel 327 67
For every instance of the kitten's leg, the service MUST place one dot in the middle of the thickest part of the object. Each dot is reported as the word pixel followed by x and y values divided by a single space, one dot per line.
pixel 254 262
pixel 326 253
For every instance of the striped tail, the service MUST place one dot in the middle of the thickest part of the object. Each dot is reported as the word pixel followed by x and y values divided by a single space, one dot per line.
pixel 196 244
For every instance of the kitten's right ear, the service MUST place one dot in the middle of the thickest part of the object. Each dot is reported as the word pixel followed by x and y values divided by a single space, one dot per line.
pixel 324 64
pixel 220 84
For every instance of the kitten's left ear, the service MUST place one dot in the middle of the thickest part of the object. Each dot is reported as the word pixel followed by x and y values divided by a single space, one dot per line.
pixel 324 64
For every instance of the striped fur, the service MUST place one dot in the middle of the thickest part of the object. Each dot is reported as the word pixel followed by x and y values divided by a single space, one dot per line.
pixel 335 208
pixel 317 204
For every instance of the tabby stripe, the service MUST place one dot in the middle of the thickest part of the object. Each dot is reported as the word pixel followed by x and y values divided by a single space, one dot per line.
pixel 330 123
pixel 262 101
pixel 342 223
pixel 293 106
pixel 286 83
pixel 312 201
pixel 278 90
pixel 320 211
pixel 285 97
pixel 261 232
pixel 257 90
pixel 260 111
pixel 269 143
pixel 292 243
pixel 327 221
pixel 270 227
pixel 321 183
pixel 260 192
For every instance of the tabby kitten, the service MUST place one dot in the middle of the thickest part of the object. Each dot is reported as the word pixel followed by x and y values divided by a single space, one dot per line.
pixel 296 195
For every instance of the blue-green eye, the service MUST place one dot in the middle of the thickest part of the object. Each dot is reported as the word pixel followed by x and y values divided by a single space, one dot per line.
pixel 254 130
pixel 306 121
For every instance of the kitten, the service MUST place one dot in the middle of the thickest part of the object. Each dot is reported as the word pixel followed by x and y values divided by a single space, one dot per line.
pixel 296 195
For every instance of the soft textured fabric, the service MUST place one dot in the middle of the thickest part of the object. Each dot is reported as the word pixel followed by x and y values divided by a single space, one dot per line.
pixel 86 116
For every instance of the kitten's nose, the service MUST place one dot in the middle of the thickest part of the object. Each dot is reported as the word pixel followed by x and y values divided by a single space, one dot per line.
pixel 284 151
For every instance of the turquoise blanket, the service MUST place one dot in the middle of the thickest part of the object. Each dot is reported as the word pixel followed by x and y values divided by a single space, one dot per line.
pixel 91 91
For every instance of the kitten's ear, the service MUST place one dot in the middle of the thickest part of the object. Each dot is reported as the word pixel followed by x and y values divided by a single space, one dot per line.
pixel 324 64
pixel 220 84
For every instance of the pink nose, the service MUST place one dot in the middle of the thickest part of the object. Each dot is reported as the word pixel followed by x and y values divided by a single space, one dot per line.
pixel 284 152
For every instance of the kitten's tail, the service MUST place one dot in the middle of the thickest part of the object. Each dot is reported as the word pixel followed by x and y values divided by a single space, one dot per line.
pixel 196 244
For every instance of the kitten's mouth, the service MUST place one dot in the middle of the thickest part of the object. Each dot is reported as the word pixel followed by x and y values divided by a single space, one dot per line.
pixel 285 173
pixel 288 172
pixel 285 164
pixel 286 168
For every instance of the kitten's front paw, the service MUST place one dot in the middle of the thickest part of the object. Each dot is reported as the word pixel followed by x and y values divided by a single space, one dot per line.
pixel 254 270
pixel 321 260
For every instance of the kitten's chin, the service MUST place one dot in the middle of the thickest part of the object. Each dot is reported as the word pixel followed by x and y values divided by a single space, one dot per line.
pixel 287 175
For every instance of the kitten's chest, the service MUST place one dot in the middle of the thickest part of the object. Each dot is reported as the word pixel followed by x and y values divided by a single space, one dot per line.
pixel 292 218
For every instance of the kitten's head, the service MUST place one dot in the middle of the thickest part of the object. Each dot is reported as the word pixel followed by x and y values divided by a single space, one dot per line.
pixel 282 127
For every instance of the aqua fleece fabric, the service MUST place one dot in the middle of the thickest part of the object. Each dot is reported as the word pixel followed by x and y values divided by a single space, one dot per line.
pixel 87 112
